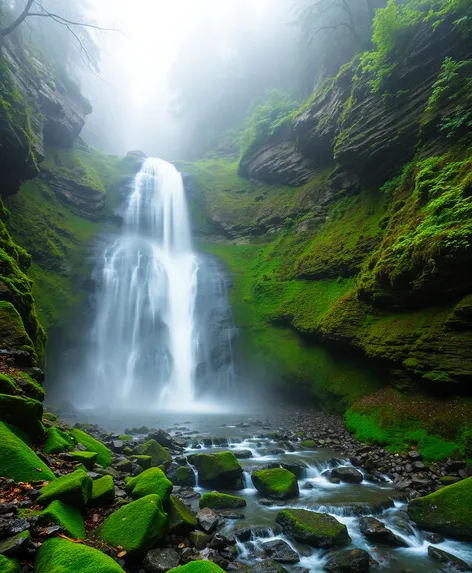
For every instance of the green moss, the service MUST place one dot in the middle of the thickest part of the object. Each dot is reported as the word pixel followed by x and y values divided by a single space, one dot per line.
pixel 7 385
pixel 93 445
pixel 218 470
pixel 62 556
pixel 136 526
pixel 217 500
pixel 308 444
pixel 88 459
pixel 143 461
pixel 277 483
pixel 182 519
pixel 18 461
pixel 446 511
pixel 103 492
pixel 159 455
pixel 9 565
pixel 25 413
pixel 73 489
pixel 57 442
pixel 66 516
pixel 12 329
pixel 198 567
pixel 184 475
pixel 314 529
pixel 150 481
pixel 10 547
pixel 125 438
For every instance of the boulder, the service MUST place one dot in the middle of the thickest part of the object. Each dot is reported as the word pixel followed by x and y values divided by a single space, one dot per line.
pixel 103 492
pixel 144 462
pixel 181 474
pixel 215 500
pixel 59 555
pixel 318 530
pixel 199 540
pixel 280 551
pixel 150 481
pixel 18 461
pixel 267 566
pixel 9 565
pixel 73 489
pixel 347 475
pixel 24 413
pixel 13 546
pixel 221 470
pixel 57 442
pixel 208 520
pixel 136 527
pixel 375 531
pixel 159 455
pixel 93 445
pixel 242 454
pixel 68 517
pixel 182 519
pixel 348 561
pixel 86 458
pixel 160 560
pixel 198 567
pixel 447 559
pixel 277 483
pixel 446 511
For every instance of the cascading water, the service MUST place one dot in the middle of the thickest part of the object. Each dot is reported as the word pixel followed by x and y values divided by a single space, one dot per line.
pixel 151 345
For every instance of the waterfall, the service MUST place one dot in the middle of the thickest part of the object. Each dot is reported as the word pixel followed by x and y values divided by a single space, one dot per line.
pixel 162 334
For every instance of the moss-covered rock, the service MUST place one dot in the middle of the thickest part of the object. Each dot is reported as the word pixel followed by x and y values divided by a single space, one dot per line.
pixel 150 481
pixel 62 556
pixel 73 489
pixel 66 516
pixel 21 384
pixel 9 565
pixel 13 546
pixel 181 475
pixel 136 527
pixel 159 455
pixel 310 444
pixel 446 511
pixel 277 483
pixel 215 500
pixel 18 461
pixel 142 461
pixel 25 413
pixel 88 459
pixel 103 492
pixel 315 529
pixel 93 445
pixel 198 567
pixel 57 441
pixel 182 519
pixel 221 470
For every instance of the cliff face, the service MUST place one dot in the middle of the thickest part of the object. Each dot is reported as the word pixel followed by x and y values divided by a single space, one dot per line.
pixel 372 247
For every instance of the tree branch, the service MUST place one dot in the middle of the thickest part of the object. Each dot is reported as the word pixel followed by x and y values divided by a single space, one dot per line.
pixel 18 21
pixel 65 22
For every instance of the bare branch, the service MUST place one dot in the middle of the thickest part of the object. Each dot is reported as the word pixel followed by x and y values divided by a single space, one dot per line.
pixel 64 21
pixel 18 21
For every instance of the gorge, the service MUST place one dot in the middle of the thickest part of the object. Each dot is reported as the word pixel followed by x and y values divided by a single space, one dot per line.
pixel 255 353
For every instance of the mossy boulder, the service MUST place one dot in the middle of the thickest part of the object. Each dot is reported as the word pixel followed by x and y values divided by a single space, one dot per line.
pixel 136 527
pixel 18 461
pixel 181 475
pixel 215 500
pixel 20 383
pixel 103 492
pixel 142 461
pixel 182 519
pixel 159 455
pixel 25 413
pixel 73 489
pixel 86 458
pixel 446 511
pixel 62 556
pixel 9 565
pixel 13 546
pixel 66 516
pixel 198 567
pixel 12 329
pixel 93 445
pixel 221 470
pixel 318 530
pixel 276 483
pixel 57 442
pixel 150 481
pixel 309 444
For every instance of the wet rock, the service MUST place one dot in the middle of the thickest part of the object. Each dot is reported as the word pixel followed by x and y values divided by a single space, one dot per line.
pixel 242 454
pixel 451 561
pixel 348 561
pixel 160 560
pixel 220 471
pixel 277 483
pixel 434 538
pixel 375 530
pixel 125 466
pixel 268 566
pixel 346 474
pixel 199 539
pixel 208 520
pixel 318 530
pixel 280 551
pixel 297 468
pixel 13 546
pixel 8 508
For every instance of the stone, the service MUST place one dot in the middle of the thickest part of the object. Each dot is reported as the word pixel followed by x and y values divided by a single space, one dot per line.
pixel 347 475
pixel 242 454
pixel 86 458
pixel 160 560
pixel 215 500
pixel 448 559
pixel 9 565
pixel 73 489
pixel 60 555
pixel 57 441
pixel 446 511
pixel 375 531
pixel 159 455
pixel 150 481
pixel 348 561
pixel 277 483
pixel 181 474
pixel 13 546
pixel 66 516
pixel 124 466
pixel 198 567
pixel 318 530
pixel 208 520
pixel 181 518
pixel 199 539
pixel 93 445
pixel 103 492
pixel 221 470
pixel 267 566
pixel 280 551
pixel 135 527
